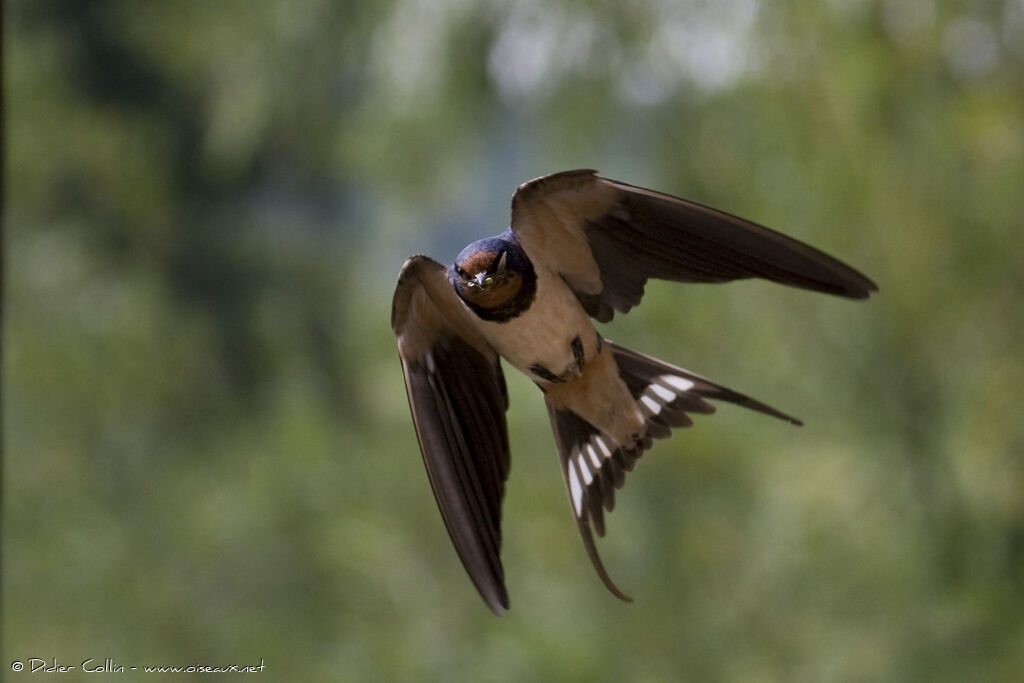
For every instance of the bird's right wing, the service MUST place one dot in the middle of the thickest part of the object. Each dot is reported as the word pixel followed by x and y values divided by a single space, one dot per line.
pixel 458 400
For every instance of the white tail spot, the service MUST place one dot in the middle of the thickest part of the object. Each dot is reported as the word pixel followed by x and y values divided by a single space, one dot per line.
pixel 605 452
pixel 574 489
pixel 652 406
pixel 661 392
pixel 587 477
pixel 593 457
pixel 680 383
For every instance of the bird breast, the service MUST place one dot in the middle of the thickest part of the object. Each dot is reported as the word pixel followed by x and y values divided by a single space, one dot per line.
pixel 544 333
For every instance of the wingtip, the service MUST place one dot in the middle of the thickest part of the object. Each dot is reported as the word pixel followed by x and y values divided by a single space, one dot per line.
pixel 489 584
pixel 499 603
pixel 499 608
pixel 865 292
pixel 856 286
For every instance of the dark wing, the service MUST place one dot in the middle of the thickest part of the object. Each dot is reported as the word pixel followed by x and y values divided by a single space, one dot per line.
pixel 458 401
pixel 608 238
pixel 593 466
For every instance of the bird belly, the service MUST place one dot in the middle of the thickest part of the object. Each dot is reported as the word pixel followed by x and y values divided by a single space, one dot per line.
pixel 555 344
pixel 601 397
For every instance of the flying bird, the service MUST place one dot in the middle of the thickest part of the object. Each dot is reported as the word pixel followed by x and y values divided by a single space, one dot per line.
pixel 579 247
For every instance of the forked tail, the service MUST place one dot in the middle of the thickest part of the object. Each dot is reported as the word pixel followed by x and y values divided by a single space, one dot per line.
pixel 593 465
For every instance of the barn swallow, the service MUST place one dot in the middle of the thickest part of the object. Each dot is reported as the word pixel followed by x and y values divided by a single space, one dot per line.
pixel 579 247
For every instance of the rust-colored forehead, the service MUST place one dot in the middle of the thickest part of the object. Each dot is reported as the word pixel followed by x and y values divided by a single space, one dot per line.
pixel 478 261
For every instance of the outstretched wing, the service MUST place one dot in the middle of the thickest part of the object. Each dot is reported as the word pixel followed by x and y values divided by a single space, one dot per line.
pixel 607 238
pixel 458 400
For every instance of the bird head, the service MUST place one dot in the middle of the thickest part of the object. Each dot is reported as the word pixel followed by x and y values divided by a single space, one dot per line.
pixel 489 274
pixel 481 270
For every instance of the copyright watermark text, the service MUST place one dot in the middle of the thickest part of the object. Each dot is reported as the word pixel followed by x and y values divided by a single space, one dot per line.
pixel 107 665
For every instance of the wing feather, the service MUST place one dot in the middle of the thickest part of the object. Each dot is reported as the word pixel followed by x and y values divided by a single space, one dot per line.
pixel 607 238
pixel 458 400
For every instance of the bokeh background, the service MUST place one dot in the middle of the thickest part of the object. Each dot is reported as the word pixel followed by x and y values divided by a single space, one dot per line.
pixel 208 457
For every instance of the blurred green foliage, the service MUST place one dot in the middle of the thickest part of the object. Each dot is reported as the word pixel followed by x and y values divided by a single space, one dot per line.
pixel 208 457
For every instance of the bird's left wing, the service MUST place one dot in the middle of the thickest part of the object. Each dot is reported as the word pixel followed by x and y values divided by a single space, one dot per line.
pixel 458 400
pixel 607 238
